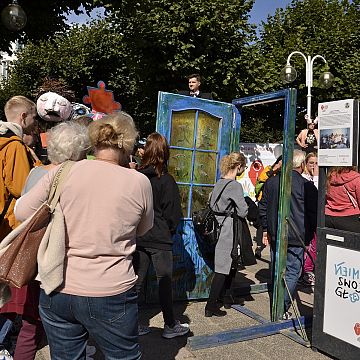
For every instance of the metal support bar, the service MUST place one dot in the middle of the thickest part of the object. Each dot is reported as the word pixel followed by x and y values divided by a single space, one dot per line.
pixel 249 333
pixel 248 289
pixel 303 333
pixel 291 334
pixel 246 311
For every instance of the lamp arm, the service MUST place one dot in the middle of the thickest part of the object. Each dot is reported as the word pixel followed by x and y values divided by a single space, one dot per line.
pixel 293 53
pixel 312 65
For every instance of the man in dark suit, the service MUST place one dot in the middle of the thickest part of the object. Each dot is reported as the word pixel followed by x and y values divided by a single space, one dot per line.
pixel 194 88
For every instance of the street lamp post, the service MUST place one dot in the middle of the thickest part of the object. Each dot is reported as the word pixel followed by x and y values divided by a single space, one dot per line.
pixel 13 16
pixel 288 75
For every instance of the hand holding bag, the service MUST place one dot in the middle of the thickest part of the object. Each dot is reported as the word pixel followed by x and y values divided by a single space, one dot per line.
pixel 18 261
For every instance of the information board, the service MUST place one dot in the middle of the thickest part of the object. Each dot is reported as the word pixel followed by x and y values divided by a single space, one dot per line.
pixel 338 133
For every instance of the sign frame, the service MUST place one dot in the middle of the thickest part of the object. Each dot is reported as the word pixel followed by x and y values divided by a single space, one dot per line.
pixel 321 340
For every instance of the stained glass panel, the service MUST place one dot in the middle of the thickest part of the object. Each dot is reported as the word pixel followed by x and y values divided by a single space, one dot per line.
pixel 184 198
pixel 200 196
pixel 180 164
pixel 207 131
pixel 205 168
pixel 182 130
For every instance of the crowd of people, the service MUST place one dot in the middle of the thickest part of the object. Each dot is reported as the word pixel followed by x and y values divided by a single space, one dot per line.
pixel 115 234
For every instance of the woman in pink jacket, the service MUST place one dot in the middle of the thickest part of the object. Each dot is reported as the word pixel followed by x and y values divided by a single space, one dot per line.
pixel 343 199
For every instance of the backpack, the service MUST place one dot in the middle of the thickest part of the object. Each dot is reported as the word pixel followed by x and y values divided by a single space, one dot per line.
pixel 205 223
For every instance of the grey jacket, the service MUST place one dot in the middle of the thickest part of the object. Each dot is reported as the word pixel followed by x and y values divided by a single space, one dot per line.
pixel 224 245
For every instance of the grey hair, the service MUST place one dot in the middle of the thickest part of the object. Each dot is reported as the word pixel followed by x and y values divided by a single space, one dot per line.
pixel 67 141
pixel 298 158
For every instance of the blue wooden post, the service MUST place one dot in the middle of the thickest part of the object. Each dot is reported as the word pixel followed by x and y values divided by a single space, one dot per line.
pixel 284 207
pixel 285 188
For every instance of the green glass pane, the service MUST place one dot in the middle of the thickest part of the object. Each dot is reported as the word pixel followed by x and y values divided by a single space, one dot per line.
pixel 184 198
pixel 182 128
pixel 200 196
pixel 207 132
pixel 180 164
pixel 205 168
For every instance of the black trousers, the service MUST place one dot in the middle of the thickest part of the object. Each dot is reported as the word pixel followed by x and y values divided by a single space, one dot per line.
pixel 162 261
pixel 347 223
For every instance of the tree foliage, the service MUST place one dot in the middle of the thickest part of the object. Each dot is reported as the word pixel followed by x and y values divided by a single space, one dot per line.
pixel 330 28
pixel 44 19
pixel 143 47
pixel 148 46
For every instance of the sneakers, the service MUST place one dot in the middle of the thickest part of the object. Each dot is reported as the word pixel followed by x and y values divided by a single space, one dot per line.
pixel 177 330
pixel 5 355
pixel 143 330
pixel 287 315
pixel 308 279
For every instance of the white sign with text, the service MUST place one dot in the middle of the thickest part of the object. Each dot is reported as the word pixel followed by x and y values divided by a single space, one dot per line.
pixel 342 295
pixel 336 133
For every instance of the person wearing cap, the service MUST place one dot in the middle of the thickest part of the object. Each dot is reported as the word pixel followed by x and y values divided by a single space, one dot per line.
pixel 194 88
pixel 308 138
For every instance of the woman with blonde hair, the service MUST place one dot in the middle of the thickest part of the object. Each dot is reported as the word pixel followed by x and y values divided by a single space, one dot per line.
pixel 231 197
pixel 66 141
pixel 311 170
pixel 105 207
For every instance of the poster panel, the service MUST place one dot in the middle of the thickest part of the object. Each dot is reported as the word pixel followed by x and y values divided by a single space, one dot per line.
pixel 258 156
pixel 342 295
pixel 336 132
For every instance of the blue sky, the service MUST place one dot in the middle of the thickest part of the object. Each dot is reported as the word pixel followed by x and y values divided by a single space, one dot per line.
pixel 263 8
pixel 260 11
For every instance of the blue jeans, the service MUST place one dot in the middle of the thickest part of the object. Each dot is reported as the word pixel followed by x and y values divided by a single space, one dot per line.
pixel 5 327
pixel 294 265
pixel 112 321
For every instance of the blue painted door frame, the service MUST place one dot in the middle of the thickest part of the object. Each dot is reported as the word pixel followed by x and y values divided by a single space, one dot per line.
pixel 289 97
pixel 192 275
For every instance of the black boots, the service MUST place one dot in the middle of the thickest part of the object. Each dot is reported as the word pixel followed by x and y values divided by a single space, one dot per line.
pixel 213 310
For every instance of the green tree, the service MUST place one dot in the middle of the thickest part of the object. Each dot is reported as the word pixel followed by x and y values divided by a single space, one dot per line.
pixel 148 46
pixel 80 57
pixel 44 19
pixel 327 27
pixel 169 40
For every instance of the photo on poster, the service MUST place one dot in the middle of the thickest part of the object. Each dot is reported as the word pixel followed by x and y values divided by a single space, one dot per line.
pixel 335 138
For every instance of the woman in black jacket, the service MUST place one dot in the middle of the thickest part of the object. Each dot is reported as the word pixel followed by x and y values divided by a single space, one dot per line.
pixel 156 245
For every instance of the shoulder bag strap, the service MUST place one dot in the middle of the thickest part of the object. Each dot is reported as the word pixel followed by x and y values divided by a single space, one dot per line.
pixel 352 199
pixel 11 196
pixel 6 207
pixel 57 183
pixel 221 192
